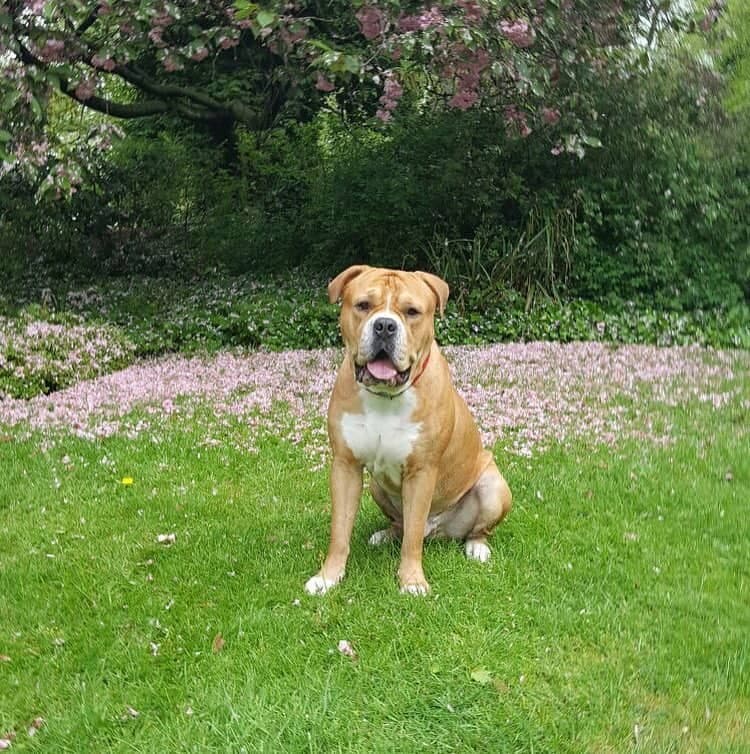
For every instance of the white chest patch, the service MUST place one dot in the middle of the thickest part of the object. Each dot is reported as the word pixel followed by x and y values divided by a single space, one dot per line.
pixel 383 435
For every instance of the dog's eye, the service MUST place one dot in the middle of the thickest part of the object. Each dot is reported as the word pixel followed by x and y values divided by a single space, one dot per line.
pixel 412 312
pixel 362 306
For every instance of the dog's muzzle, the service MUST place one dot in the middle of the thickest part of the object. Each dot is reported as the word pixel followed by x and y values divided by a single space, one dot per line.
pixel 380 355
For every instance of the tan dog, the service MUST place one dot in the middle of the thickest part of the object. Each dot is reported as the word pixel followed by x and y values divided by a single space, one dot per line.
pixel 395 411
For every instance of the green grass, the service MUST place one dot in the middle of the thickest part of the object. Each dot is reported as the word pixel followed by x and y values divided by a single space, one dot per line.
pixel 614 616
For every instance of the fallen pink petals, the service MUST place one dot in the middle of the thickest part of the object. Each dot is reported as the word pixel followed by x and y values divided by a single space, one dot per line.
pixel 166 539
pixel 526 395
pixel 36 725
pixel 129 714
pixel 346 649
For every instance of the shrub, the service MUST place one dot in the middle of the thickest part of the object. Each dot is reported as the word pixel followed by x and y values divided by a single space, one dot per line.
pixel 38 356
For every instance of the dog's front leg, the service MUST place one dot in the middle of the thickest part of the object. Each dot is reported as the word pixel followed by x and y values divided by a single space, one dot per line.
pixel 417 491
pixel 346 492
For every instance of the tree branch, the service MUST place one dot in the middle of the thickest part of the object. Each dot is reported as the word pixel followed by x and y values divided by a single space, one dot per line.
pixel 116 109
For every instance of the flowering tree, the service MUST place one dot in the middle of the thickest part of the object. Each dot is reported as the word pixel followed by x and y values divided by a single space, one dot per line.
pixel 220 64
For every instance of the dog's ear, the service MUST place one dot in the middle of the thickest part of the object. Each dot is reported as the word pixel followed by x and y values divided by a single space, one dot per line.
pixel 337 285
pixel 438 286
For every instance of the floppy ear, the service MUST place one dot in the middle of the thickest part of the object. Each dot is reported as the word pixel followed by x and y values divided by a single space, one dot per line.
pixel 337 285
pixel 438 286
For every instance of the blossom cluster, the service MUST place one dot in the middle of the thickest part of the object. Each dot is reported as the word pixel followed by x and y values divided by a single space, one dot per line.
pixel 392 93
pixel 521 33
pixel 462 45
pixel 39 357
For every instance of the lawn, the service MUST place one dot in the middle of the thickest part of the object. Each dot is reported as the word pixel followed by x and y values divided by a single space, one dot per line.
pixel 157 526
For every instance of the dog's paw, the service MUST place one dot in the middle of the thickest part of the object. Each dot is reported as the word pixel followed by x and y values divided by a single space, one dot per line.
pixel 381 537
pixel 419 588
pixel 477 550
pixel 319 584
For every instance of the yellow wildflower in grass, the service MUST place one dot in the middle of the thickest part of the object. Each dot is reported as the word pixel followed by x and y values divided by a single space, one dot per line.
pixel 126 480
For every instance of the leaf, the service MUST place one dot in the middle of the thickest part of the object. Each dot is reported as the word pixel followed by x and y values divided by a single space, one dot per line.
pixel 36 107
pixel 265 18
pixel 218 643
pixel 5 135
pixel 243 10
pixel 591 141
pixel 351 63
pixel 10 99
pixel 481 676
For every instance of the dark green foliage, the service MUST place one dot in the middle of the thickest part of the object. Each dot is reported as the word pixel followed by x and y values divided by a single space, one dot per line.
pixel 656 216
pixel 663 204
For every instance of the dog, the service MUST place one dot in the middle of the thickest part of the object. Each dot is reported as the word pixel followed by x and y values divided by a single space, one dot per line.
pixel 394 411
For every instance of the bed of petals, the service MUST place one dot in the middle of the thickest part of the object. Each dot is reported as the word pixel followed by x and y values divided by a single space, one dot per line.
pixel 525 395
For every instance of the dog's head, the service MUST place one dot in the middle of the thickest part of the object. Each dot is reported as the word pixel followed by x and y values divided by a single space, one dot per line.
pixel 387 322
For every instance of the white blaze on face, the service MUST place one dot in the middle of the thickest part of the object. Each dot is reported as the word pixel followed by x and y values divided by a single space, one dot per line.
pixel 400 352
pixel 382 436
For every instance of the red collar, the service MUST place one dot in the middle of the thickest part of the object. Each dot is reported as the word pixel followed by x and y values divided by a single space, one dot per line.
pixel 421 371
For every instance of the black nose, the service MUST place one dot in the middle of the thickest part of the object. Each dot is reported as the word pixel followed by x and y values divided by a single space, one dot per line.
pixel 384 326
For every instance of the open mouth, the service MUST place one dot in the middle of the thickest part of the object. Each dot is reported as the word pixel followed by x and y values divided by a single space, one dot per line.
pixel 381 371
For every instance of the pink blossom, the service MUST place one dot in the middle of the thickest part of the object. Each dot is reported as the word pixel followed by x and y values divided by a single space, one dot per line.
pixel 227 43
pixel 200 54
pixel 428 19
pixel 53 50
pixel 516 119
pixel 36 6
pixel 467 73
pixel 105 63
pixel 473 11
pixel 85 89
pixel 171 64
pixel 519 32
pixel 463 99
pixel 550 115
pixel 155 35
pixel 372 21
pixel 392 93
pixel 104 8
pixel 323 84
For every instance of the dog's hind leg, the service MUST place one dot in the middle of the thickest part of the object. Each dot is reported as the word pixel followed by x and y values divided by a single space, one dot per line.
pixel 480 510
pixel 494 502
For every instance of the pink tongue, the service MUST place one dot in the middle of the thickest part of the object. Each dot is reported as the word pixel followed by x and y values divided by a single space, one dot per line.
pixel 382 369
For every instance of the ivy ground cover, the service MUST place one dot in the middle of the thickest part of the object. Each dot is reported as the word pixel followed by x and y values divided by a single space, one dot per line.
pixel 157 526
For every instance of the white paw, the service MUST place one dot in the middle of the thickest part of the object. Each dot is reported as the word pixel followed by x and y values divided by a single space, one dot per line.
pixel 320 585
pixel 418 589
pixel 477 550
pixel 380 538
